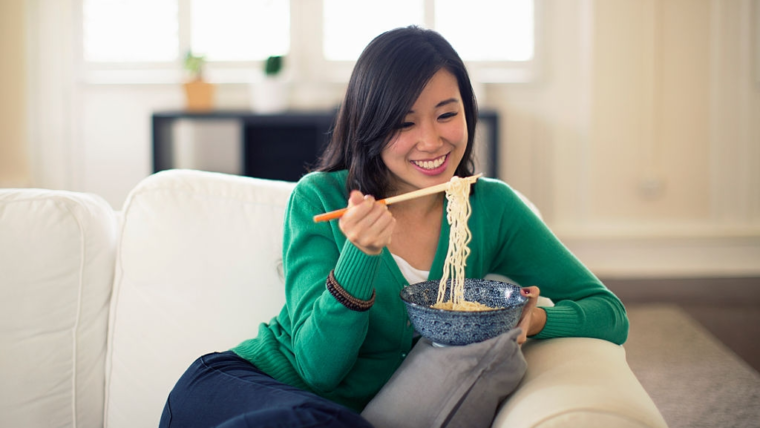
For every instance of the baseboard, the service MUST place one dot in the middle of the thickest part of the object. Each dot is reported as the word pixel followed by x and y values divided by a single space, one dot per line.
pixel 670 257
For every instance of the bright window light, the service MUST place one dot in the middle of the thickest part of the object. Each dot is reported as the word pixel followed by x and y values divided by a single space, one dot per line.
pixel 130 30
pixel 503 29
pixel 349 25
pixel 240 30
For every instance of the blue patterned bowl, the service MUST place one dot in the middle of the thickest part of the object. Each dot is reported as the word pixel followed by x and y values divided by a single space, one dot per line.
pixel 446 327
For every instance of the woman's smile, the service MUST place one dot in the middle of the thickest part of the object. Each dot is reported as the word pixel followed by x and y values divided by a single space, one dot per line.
pixel 432 167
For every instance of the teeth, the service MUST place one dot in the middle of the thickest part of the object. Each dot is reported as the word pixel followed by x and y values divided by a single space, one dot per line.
pixel 431 164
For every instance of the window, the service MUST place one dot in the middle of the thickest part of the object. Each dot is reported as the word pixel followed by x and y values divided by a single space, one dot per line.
pixel 240 30
pixel 145 40
pixel 504 31
pixel 349 25
pixel 149 30
pixel 496 38
pixel 501 30
pixel 111 33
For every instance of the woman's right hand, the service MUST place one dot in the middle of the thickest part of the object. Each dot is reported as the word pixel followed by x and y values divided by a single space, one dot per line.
pixel 367 224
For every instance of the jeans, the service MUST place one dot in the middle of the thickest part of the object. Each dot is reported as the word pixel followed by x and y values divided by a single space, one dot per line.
pixel 223 390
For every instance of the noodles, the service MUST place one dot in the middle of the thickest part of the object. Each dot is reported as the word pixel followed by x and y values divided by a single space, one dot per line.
pixel 457 214
pixel 464 306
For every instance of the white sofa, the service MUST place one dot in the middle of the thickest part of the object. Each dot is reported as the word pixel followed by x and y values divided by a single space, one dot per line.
pixel 101 311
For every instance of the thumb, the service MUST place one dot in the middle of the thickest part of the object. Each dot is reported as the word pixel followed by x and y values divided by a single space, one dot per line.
pixel 531 292
pixel 355 198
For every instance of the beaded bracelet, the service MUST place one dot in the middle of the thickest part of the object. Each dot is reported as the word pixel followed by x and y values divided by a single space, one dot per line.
pixel 346 299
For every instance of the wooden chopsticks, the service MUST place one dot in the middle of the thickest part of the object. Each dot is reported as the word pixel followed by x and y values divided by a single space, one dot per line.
pixel 332 215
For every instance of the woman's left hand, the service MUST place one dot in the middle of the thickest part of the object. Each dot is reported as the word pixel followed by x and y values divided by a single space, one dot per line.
pixel 533 318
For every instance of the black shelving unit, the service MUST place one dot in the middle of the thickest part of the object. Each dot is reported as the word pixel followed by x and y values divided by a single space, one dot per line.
pixel 283 146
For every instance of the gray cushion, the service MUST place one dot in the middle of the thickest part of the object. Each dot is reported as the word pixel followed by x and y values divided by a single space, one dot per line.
pixel 455 386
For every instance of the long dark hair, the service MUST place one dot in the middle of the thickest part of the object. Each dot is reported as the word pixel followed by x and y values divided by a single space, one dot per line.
pixel 388 77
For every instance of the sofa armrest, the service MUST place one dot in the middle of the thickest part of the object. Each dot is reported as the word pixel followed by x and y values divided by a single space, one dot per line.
pixel 578 382
pixel 57 253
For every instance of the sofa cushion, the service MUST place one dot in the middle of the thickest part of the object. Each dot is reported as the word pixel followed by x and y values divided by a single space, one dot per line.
pixel 197 271
pixel 57 253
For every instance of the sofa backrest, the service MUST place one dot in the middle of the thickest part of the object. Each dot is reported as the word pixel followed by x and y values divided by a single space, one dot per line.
pixel 57 252
pixel 197 270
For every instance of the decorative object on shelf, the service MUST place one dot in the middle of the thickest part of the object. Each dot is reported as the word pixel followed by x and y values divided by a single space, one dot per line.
pixel 273 65
pixel 199 94
pixel 269 94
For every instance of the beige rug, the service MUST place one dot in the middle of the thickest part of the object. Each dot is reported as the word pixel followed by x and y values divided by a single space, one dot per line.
pixel 693 378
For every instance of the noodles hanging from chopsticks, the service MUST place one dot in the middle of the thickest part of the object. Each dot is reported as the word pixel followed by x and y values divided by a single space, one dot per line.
pixel 457 213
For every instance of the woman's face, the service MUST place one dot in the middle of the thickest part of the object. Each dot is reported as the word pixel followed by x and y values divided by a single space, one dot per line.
pixel 433 137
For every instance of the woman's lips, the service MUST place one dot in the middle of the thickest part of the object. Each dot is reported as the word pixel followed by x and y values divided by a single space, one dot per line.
pixel 433 166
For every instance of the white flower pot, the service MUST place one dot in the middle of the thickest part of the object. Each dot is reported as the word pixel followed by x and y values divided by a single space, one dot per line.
pixel 269 95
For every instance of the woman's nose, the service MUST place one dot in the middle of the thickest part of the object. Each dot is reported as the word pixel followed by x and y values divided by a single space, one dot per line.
pixel 429 139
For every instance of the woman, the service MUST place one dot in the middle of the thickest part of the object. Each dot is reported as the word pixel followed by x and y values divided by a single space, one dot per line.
pixel 407 122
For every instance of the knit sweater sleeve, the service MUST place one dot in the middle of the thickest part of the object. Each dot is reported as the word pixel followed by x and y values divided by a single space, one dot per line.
pixel 530 254
pixel 326 336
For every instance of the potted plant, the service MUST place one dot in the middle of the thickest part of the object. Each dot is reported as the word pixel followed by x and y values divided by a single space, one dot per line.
pixel 269 94
pixel 199 94
pixel 273 66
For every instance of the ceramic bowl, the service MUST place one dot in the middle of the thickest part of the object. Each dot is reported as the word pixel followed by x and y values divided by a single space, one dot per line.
pixel 444 327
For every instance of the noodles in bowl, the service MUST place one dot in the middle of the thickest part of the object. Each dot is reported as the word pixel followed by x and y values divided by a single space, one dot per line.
pixel 447 327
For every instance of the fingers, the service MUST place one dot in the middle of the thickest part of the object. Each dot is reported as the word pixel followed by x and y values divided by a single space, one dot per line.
pixel 360 206
pixel 531 292
pixel 523 337
pixel 526 319
pixel 355 198
pixel 367 224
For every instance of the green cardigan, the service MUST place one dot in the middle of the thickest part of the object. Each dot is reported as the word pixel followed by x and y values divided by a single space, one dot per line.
pixel 317 344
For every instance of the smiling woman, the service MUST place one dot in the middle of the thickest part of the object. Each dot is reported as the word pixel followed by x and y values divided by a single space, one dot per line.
pixel 407 122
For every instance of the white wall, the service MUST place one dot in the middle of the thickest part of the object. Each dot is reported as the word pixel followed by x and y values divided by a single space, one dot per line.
pixel 14 156
pixel 640 142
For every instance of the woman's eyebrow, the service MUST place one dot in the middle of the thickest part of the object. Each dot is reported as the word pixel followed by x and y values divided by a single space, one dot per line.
pixel 441 104
pixel 444 102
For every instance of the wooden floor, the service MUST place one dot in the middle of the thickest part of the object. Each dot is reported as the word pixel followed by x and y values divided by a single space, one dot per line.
pixel 727 307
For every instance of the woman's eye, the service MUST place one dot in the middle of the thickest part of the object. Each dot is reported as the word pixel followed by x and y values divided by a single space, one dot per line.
pixel 447 115
pixel 405 125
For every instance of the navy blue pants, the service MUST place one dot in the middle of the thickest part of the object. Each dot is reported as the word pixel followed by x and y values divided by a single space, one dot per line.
pixel 226 391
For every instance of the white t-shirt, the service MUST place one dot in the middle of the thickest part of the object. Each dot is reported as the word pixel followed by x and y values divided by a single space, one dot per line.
pixel 411 274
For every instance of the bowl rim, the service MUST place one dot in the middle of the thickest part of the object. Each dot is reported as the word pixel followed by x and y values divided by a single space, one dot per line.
pixel 523 300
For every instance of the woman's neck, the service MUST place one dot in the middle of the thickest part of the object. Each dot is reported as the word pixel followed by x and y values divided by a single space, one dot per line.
pixel 417 231
pixel 419 207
